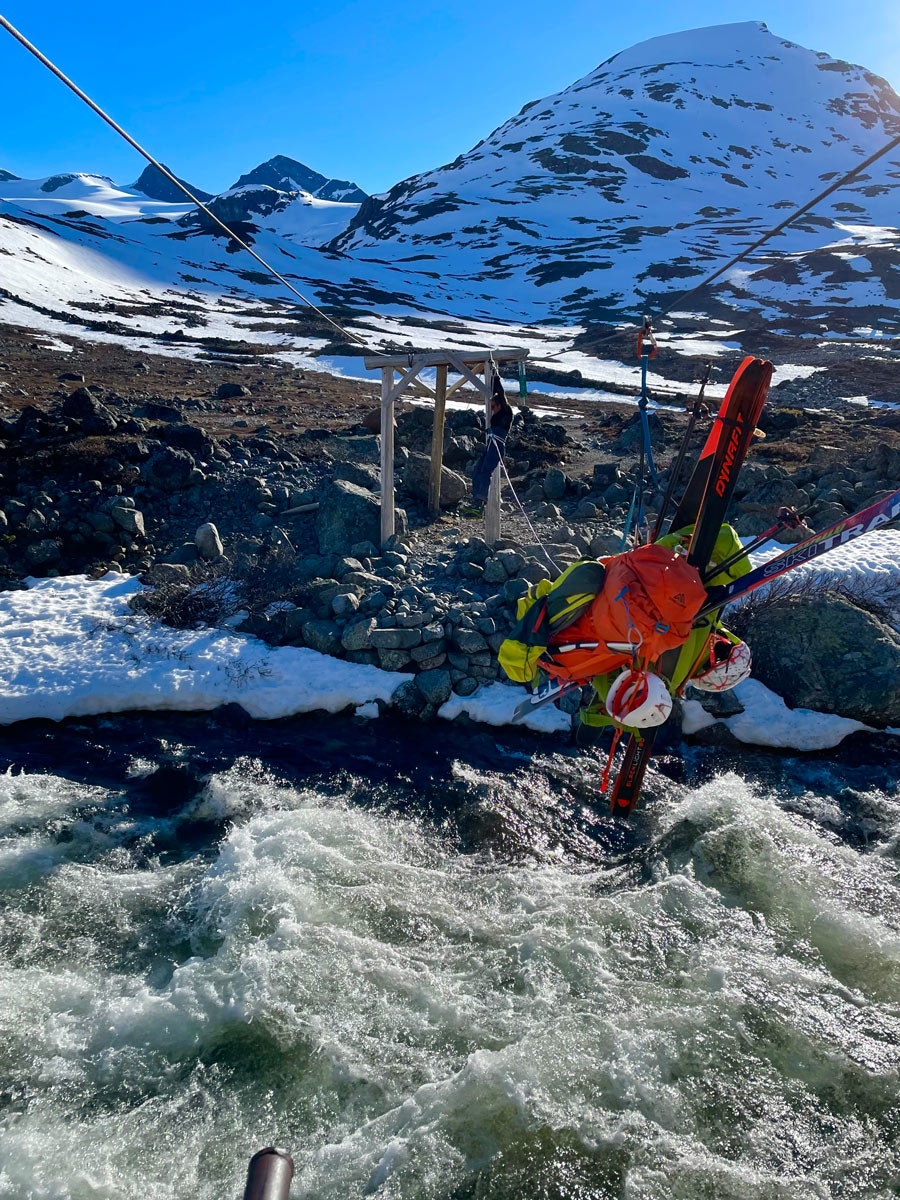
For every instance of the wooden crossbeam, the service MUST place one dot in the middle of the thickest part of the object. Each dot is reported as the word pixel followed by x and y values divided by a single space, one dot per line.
pixel 461 368
pixel 436 358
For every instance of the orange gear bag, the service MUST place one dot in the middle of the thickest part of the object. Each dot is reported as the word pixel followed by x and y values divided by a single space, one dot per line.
pixel 648 601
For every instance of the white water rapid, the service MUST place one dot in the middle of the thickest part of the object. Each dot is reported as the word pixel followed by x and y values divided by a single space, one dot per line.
pixel 411 1020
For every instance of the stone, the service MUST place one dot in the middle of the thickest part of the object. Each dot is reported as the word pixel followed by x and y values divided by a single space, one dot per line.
pixel 164 574
pixel 428 650
pixel 417 480
pixel 393 660
pixel 469 641
pixel 347 514
pixel 128 518
pixel 185 554
pixel 554 484
pixel 435 686
pixel 467 686
pixel 395 639
pixel 83 406
pixel 43 552
pixel 495 572
pixel 358 636
pixel 828 654
pixel 345 604
pixel 208 542
pixel 324 636
pixel 231 391
pixel 169 468
pixel 408 699
pixel 362 474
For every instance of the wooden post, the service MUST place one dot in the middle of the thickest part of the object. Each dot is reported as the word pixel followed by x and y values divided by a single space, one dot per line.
pixel 492 508
pixel 437 440
pixel 387 454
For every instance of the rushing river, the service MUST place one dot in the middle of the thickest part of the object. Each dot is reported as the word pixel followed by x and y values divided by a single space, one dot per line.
pixel 429 965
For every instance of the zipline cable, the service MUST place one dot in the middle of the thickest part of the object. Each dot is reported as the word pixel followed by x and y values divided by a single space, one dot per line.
pixel 782 225
pixel 171 178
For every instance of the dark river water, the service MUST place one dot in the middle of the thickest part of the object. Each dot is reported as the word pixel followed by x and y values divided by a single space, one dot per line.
pixel 427 962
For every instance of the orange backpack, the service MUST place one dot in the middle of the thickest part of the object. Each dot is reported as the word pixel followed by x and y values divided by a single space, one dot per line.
pixel 646 606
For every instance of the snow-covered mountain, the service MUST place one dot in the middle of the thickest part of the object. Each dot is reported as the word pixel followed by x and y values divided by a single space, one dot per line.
pixel 287 198
pixel 154 184
pixel 639 179
pixel 599 203
pixel 288 175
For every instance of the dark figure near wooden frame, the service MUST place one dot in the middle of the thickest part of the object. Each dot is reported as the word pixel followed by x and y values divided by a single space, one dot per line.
pixel 497 432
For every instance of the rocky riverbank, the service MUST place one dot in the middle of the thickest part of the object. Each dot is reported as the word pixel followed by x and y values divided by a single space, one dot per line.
pixel 269 521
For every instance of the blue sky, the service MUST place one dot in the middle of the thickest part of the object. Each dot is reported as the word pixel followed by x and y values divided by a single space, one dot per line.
pixel 368 91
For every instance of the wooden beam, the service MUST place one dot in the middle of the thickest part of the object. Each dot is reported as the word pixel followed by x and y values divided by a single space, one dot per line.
pixel 492 507
pixel 402 383
pixel 459 365
pixel 437 441
pixel 434 358
pixel 422 388
pixel 455 387
pixel 387 453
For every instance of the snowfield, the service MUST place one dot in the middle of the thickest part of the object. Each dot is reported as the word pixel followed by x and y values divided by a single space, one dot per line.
pixel 72 646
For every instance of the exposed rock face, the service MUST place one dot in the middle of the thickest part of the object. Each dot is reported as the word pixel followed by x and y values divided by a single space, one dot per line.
pixel 154 184
pixel 826 654
pixel 287 175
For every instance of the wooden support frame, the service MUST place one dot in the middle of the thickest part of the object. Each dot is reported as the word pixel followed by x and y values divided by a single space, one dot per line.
pixel 473 368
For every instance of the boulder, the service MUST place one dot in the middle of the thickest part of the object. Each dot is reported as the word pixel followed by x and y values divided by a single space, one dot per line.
pixel 231 391
pixel 347 514
pixel 827 654
pixel 361 474
pixel 169 468
pixel 127 517
pixel 83 406
pixel 208 542
pixel 417 478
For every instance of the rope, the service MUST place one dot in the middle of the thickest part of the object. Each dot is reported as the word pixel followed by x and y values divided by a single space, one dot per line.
pixel 534 532
pixel 675 471
pixel 782 225
pixel 171 178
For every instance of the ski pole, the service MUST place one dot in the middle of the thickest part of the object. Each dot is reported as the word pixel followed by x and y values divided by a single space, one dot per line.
pixel 788 518
pixel 675 472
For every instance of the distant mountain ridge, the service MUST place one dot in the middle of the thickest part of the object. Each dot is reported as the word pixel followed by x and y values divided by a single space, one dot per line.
pixel 287 175
pixel 592 206
pixel 154 184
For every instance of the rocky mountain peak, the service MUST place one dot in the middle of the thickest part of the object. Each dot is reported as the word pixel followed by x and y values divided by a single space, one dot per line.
pixel 153 184
pixel 288 175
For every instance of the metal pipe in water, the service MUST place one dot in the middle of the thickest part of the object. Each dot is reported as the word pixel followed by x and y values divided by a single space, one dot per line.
pixel 269 1175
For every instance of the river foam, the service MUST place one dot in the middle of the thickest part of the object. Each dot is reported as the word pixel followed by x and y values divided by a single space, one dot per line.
pixel 415 1021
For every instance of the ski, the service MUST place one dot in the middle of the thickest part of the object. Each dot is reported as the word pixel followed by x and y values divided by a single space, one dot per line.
pixel 712 483
pixel 839 534
pixel 704 505
pixel 552 690
pixel 630 779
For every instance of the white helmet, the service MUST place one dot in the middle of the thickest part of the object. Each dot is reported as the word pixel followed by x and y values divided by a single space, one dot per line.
pixel 730 664
pixel 638 699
